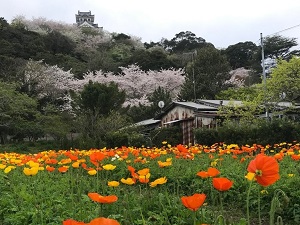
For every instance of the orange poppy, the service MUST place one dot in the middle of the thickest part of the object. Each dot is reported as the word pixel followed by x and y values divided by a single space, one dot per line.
pixel 132 171
pixel 72 157
pixel 242 160
pixel 50 168
pixel 295 157
pixel 144 180
pixel 213 172
pixel 202 174
pixel 265 168
pixel 143 172
pixel 72 222
pixel 182 148
pixel 97 156
pixel 222 183
pixel 193 202
pixel 63 169
pixel 104 221
pixel 51 161
pixel 102 199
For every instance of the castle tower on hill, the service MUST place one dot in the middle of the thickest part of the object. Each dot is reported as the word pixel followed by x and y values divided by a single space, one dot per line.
pixel 86 19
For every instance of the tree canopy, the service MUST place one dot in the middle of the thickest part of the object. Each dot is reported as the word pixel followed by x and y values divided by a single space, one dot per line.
pixel 241 54
pixel 206 75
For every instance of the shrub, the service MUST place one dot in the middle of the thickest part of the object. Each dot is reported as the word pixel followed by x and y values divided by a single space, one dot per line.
pixel 262 132
pixel 173 135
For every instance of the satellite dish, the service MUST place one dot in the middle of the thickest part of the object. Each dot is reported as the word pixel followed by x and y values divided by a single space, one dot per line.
pixel 282 95
pixel 161 104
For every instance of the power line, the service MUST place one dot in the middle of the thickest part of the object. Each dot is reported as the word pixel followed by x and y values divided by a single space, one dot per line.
pixel 259 40
pixel 284 30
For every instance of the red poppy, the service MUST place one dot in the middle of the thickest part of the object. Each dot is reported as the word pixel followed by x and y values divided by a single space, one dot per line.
pixel 193 202
pixel 104 221
pixel 265 168
pixel 103 199
pixel 222 183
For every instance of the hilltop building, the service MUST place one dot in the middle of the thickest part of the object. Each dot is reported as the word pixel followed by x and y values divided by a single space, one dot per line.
pixel 86 19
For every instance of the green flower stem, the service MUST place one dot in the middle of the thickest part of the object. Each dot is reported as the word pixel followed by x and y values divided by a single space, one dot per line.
pixel 258 202
pixel 247 202
pixel 221 202
pixel 212 193
pixel 194 217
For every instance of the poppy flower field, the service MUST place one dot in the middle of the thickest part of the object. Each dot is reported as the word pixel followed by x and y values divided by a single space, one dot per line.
pixel 170 185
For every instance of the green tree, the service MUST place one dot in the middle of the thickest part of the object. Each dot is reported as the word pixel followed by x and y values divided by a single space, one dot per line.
pixel 57 124
pixel 285 78
pixel 240 54
pixel 11 68
pixel 101 99
pixel 241 94
pixel 58 43
pixel 206 75
pixel 98 101
pixel 143 112
pixel 159 95
pixel 277 46
pixel 3 23
pixel 184 42
pixel 155 58
pixel 19 116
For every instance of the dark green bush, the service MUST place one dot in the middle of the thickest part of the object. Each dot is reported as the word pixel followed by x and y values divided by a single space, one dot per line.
pixel 206 136
pixel 173 135
pixel 116 139
pixel 261 132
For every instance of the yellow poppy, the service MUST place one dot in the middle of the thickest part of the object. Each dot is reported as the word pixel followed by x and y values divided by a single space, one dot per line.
pixel 113 183
pixel 128 181
pixel 92 172
pixel 75 164
pixel 32 164
pixel 161 180
pixel 2 166
pixel 30 171
pixel 250 176
pixel 109 167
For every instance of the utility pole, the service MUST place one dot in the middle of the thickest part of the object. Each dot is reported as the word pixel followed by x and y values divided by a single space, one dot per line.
pixel 194 82
pixel 264 75
pixel 193 54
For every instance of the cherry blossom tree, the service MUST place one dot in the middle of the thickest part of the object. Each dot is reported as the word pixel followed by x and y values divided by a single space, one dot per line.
pixel 47 82
pixel 52 83
pixel 136 83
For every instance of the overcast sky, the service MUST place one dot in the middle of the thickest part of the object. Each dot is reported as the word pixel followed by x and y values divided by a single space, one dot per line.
pixel 221 22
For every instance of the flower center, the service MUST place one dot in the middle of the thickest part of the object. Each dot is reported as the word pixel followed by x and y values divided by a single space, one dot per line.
pixel 258 172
